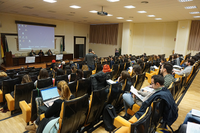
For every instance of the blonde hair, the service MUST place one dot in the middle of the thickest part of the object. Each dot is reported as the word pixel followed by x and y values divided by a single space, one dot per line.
pixel 65 92
pixel 26 79
pixel 3 74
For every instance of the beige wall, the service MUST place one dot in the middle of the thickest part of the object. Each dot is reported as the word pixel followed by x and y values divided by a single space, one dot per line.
pixel 104 50
pixel 68 29
pixel 154 38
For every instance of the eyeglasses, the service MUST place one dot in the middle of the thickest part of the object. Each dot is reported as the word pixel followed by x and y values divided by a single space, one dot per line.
pixel 152 83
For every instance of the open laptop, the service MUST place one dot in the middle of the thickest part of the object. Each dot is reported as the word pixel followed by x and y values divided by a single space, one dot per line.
pixel 49 95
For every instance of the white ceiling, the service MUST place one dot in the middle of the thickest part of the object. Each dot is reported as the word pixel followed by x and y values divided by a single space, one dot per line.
pixel 168 10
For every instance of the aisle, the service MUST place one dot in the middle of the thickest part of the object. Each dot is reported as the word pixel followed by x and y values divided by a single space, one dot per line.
pixel 189 101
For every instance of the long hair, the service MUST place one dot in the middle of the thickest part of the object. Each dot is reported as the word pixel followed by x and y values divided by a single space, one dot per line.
pixel 79 74
pixel 43 74
pixel 74 69
pixel 65 92
pixel 124 75
pixel 26 79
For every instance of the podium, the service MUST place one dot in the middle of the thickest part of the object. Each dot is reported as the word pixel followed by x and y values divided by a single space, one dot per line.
pixel 8 59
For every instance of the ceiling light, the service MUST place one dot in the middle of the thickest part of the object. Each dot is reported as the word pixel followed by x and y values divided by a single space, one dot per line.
pixel 151 15
pixel 184 0
pixel 93 11
pixel 112 0
pixel 196 16
pixel 129 20
pixel 50 1
pixel 158 18
pixel 141 11
pixel 120 18
pixel 129 7
pixel 75 6
pixel 190 7
pixel 109 15
pixel 194 12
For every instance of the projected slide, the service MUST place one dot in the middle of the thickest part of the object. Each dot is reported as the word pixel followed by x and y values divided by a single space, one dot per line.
pixel 35 37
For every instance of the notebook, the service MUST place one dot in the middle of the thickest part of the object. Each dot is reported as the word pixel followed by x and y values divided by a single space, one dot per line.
pixel 49 95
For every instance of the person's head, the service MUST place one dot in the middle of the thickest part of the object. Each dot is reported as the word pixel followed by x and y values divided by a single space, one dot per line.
pixel 22 69
pixel 144 54
pixel 105 59
pixel 60 72
pixel 190 62
pixel 3 74
pixel 79 74
pixel 40 50
pixel 166 68
pixel 90 50
pixel 140 62
pixel 159 56
pixel 43 74
pixel 74 69
pixel 63 90
pixel 53 61
pixel 26 79
pixel 63 63
pixel 32 51
pixel 124 75
pixel 49 50
pixel 137 69
pixel 163 60
pixel 157 81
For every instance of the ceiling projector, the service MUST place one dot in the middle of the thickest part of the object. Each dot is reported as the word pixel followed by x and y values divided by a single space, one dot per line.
pixel 102 13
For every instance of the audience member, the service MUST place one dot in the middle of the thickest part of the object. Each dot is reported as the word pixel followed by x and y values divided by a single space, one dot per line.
pixel 49 52
pixel 79 74
pixel 136 70
pixel 3 76
pixel 124 75
pixel 53 64
pixel 116 52
pixel 32 53
pixel 89 59
pixel 43 74
pixel 186 70
pixel 106 68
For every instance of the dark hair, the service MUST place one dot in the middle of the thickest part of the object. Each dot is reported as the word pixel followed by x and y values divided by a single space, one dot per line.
pixel 26 79
pixel 140 62
pixel 168 66
pixel 137 69
pixel 158 79
pixel 79 74
pixel 90 50
pixel 124 75
pixel 191 61
pixel 163 59
pixel 74 69
pixel 60 72
pixel 43 74
pixel 145 59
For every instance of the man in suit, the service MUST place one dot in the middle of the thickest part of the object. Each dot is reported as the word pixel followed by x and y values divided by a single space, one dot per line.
pixel 89 58
pixel 32 53
pixel 41 53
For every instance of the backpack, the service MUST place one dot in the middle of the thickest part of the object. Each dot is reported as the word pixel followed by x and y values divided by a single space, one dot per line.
pixel 85 68
pixel 109 114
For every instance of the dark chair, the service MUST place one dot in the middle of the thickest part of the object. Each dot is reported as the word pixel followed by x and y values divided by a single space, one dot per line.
pixel 42 83
pixel 73 87
pixel 98 81
pixel 96 106
pixel 33 77
pixel 10 71
pixel 61 77
pixel 87 74
pixel 11 74
pixel 38 69
pixel 99 67
pixel 8 86
pixel 33 73
pixel 69 71
pixel 127 65
pixel 19 76
pixel 147 67
pixel 73 77
pixel 73 114
pixel 115 71
pixel 109 75
pixel 84 86
pixel 121 68
pixel 139 81
pixel 177 84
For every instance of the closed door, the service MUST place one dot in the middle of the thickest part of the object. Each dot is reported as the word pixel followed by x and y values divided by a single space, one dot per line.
pixel 79 47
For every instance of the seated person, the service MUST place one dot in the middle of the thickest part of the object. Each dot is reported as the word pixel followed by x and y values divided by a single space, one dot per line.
pixel 166 70
pixel 3 76
pixel 186 70
pixel 53 64
pixel 73 69
pixel 49 52
pixel 54 110
pixel 32 53
pixel 136 70
pixel 79 74
pixel 124 75
pixel 111 62
pixel 43 74
pixel 41 53
pixel 106 68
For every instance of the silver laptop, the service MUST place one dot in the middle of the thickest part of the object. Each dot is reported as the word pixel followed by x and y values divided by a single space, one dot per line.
pixel 49 95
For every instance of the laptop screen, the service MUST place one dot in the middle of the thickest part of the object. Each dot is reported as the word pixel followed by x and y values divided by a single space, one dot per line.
pixel 49 93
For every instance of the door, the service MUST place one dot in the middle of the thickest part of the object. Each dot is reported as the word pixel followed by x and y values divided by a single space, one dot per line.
pixel 79 46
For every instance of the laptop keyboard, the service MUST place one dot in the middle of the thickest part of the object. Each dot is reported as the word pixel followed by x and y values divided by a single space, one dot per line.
pixel 50 102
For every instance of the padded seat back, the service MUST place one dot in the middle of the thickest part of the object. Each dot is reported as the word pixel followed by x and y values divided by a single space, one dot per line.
pixel 99 67
pixel 87 74
pixel 84 87
pixel 73 87
pixel 127 65
pixel 33 77
pixel 69 71
pixel 171 88
pixel 115 70
pixel 10 71
pixel 177 84
pixel 42 83
pixel 96 106
pixel 139 81
pixel 73 77
pixel 73 114
pixel 33 73
pixel 98 80
pixel 143 124
pixel 23 72
pixel 8 86
pixel 35 93
pixel 19 76
pixel 23 92
pixel 11 75
pixel 61 77
pixel 114 93
pixel 147 67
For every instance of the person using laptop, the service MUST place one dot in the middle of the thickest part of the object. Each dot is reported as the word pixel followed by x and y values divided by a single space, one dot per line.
pixel 54 110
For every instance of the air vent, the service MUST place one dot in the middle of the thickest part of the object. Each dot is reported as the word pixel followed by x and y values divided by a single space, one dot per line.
pixel 28 7
pixel 72 12
pixel 52 11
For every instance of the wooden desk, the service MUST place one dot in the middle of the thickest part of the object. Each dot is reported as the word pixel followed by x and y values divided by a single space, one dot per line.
pixel 40 59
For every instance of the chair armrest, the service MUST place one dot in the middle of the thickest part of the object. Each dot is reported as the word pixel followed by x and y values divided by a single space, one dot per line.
pixel 1 96
pixel 119 121
pixel 177 76
pixel 149 75
pixel 42 116
pixel 123 129
pixel 10 102
pixel 135 108
pixel 93 72
pixel 26 110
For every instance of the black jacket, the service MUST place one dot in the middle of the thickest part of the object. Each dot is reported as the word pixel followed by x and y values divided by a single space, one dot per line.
pixel 170 108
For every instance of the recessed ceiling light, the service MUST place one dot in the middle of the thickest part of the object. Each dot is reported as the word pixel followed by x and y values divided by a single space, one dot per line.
pixel 141 11
pixel 194 12
pixel 151 15
pixel 109 15
pixel 184 0
pixel 50 1
pixel 158 18
pixel 75 6
pixel 129 20
pixel 129 7
pixel 196 16
pixel 120 18
pixel 93 11
pixel 113 0
pixel 190 7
